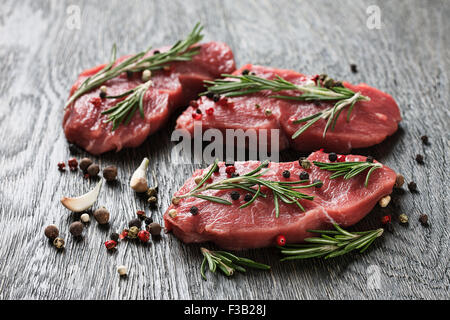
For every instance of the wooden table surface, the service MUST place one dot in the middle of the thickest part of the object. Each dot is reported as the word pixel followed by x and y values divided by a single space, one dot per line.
pixel 45 44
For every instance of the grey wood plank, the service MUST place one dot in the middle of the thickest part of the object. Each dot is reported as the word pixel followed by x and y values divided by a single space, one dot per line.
pixel 41 57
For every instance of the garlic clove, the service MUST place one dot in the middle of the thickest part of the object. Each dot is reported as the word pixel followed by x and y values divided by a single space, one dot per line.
pixel 138 180
pixel 83 202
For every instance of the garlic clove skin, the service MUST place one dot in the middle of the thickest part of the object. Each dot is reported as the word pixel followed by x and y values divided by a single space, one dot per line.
pixel 83 202
pixel 138 180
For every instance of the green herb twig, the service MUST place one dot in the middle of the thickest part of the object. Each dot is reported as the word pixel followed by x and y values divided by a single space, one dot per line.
pixel 247 84
pixel 349 169
pixel 227 263
pixel 282 190
pixel 330 244
pixel 181 51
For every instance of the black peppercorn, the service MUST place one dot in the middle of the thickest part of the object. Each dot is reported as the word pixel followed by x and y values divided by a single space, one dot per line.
pixel 423 219
pixel 424 139
pixel 304 175
pixel 286 174
pixel 85 163
pixel 235 195
pixel 248 197
pixel 216 97
pixel 235 175
pixel 198 111
pixel 332 156
pixel 154 229
pixel 51 231
pixel 194 210
pixel 369 159
pixel 101 215
pixel 148 220
pixel 353 68
pixel 110 173
pixel 102 94
pixel 136 222
pixel 319 183
pixel 210 95
pixel 76 228
pixel 412 186
pixel 245 72
pixel 114 236
pixel 156 52
pixel 419 158
pixel 93 170
pixel 129 73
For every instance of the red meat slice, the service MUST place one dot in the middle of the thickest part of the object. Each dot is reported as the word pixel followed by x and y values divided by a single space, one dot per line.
pixel 370 123
pixel 85 125
pixel 342 201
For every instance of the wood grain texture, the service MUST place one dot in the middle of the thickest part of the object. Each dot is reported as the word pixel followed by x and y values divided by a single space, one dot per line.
pixel 41 56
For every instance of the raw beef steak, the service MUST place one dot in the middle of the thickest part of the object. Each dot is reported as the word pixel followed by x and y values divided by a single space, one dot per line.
pixel 85 126
pixel 341 201
pixel 370 122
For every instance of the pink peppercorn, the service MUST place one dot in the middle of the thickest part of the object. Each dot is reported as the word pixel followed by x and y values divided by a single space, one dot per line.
pixel 209 111
pixel 110 244
pixel 196 116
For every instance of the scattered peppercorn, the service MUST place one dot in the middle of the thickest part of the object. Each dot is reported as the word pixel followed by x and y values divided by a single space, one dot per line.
pixel 369 159
pixel 399 181
pixel 85 163
pixel 123 234
pixel 248 197
pixel 133 232
pixel 424 139
pixel 129 73
pixel 267 112
pixel 51 231
pixel 332 156
pixel 193 210
pixel 73 164
pixel 286 174
pixel 144 236
pixel 235 175
pixel 217 169
pixel 148 220
pixel 61 166
pixel 403 218
pixel 152 200
pixel 110 244
pixel 156 52
pixel 281 240
pixel 423 219
pixel 216 97
pixel 110 173
pixel 86 176
pixel 245 72
pixel 151 192
pixel 101 215
pixel 386 219
pixel 196 116
pixel 319 183
pixel 102 95
pixel 59 243
pixel 234 195
pixel 122 270
pixel 304 175
pixel 304 163
pixel 173 213
pixel 135 223
pixel 114 236
pixel 209 111
pixel 85 218
pixel 140 214
pixel 76 228
pixel 154 229
pixel 210 95
pixel 419 158
pixel 93 170
pixel 341 158
pixel 230 170
pixel 353 68
pixel 412 186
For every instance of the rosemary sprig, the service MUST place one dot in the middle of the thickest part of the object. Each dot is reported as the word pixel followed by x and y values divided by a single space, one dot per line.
pixel 247 84
pixel 181 51
pixel 331 243
pixel 227 263
pixel 349 169
pixel 284 191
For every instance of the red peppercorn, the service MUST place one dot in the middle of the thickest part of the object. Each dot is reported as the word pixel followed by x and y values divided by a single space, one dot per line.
pixel 281 240
pixel 144 235
pixel 386 219
pixel 123 234
pixel 341 158
pixel 209 111
pixel 321 150
pixel 96 101
pixel 209 180
pixel 110 244
pixel 73 164
pixel 61 166
pixel 140 213
pixel 86 176
pixel 196 116
pixel 230 170
pixel 222 102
